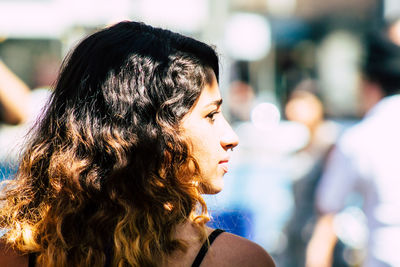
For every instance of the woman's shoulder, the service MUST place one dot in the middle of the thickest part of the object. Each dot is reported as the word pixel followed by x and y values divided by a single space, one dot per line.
pixel 10 257
pixel 232 250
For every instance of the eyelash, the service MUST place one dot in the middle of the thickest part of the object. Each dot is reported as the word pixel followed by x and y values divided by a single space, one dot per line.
pixel 211 115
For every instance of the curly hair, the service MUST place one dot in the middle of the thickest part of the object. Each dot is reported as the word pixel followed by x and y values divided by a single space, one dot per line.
pixel 105 179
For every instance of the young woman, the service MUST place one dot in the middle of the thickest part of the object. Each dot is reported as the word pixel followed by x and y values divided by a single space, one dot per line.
pixel 114 172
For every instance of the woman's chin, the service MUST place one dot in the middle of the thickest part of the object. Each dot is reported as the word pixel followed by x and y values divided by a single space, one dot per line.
pixel 212 188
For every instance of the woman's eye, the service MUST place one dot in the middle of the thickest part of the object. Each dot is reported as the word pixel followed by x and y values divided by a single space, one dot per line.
pixel 211 116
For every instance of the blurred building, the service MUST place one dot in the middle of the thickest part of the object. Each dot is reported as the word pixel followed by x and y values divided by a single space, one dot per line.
pixel 276 40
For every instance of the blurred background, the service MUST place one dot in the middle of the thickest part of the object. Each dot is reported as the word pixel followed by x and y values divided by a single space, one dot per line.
pixel 290 80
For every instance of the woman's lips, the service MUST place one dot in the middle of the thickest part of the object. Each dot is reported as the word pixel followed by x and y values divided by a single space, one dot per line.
pixel 224 165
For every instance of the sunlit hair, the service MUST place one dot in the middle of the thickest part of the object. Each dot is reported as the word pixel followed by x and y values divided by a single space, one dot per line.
pixel 105 176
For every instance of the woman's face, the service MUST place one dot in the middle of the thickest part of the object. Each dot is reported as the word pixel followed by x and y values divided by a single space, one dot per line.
pixel 210 136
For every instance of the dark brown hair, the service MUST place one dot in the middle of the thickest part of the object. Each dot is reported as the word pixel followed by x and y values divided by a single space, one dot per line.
pixel 104 176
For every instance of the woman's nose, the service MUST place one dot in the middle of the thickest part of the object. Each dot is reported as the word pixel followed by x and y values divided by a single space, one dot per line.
pixel 229 138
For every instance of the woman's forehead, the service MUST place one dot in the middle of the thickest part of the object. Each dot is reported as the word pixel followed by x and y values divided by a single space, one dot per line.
pixel 210 95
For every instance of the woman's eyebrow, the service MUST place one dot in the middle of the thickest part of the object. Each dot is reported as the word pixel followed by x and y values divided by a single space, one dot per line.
pixel 216 103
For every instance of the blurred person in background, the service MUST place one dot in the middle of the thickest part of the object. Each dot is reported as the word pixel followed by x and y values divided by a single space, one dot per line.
pixel 114 172
pixel 366 160
pixel 19 108
pixel 305 107
pixel 14 112
pixel 14 97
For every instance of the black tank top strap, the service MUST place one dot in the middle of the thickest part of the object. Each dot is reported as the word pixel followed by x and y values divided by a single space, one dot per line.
pixel 203 250
pixel 32 260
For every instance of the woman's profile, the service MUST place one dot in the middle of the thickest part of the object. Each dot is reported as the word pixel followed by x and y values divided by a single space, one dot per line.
pixel 114 172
